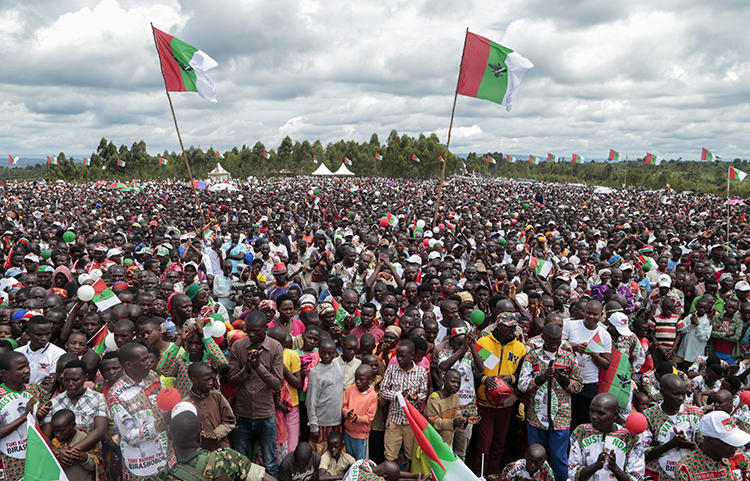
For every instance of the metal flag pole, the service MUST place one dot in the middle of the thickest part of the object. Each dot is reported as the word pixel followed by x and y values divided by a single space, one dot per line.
pixel 177 128
pixel 450 128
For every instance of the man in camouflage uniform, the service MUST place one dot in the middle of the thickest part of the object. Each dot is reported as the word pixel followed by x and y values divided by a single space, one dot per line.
pixel 195 464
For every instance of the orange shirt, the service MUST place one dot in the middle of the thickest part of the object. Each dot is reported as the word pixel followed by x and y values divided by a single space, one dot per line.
pixel 364 406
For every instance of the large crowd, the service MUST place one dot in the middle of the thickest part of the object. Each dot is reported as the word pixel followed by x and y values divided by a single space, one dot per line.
pixel 275 329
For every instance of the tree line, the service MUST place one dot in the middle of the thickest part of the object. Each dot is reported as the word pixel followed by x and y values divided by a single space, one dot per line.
pixel 397 161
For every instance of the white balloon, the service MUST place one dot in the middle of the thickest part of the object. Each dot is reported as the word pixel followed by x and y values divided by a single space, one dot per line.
pixel 95 275
pixel 435 230
pixel 421 223
pixel 83 278
pixel 85 293
pixel 218 329
pixel 109 341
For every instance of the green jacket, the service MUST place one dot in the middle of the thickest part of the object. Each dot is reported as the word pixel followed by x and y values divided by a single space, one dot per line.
pixel 735 326
pixel 222 464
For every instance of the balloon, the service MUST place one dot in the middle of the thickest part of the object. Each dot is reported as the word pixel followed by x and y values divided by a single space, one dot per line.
pixel 219 340
pixel 69 237
pixel 435 230
pixel 109 342
pixel 83 278
pixel 421 223
pixel 426 242
pixel 383 222
pixel 745 397
pixel 168 398
pixel 218 329
pixel 636 423
pixel 316 191
pixel 502 241
pixel 525 205
pixel 46 254
pixel 95 275
pixel 85 293
pixel 477 317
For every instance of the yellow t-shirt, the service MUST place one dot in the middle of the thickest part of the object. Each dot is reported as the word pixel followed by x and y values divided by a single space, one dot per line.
pixel 292 362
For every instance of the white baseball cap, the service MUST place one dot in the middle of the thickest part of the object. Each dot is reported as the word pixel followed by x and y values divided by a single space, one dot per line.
pixel 626 267
pixel 720 425
pixel 183 406
pixel 414 259
pixel 619 321
pixel 742 286
pixel 433 255
pixel 664 281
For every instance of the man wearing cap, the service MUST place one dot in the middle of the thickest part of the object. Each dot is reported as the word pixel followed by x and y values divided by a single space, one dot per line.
pixel 548 376
pixel 99 260
pixel 626 344
pixel 281 285
pixel 716 458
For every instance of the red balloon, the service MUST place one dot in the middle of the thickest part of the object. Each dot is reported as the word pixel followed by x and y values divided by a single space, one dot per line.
pixel 441 226
pixel 168 398
pixel 219 340
pixel 426 242
pixel 745 397
pixel 383 222
pixel 636 423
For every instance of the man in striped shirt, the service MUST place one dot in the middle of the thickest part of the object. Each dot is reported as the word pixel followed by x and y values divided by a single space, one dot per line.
pixel 666 324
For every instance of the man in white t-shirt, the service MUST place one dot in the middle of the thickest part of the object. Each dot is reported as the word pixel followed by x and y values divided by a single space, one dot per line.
pixel 42 354
pixel 593 347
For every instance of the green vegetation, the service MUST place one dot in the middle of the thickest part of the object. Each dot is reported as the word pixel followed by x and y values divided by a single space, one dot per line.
pixel 296 158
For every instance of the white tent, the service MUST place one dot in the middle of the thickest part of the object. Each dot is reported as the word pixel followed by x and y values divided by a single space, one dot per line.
pixel 219 174
pixel 322 170
pixel 222 187
pixel 343 170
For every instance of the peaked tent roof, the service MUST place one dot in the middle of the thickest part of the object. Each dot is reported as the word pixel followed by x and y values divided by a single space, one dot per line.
pixel 219 170
pixel 322 170
pixel 343 170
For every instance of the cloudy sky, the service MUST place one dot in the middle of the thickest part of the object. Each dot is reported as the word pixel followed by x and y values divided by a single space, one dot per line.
pixel 668 76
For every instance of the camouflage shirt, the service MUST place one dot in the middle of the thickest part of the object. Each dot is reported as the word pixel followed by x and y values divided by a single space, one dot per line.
pixel 228 465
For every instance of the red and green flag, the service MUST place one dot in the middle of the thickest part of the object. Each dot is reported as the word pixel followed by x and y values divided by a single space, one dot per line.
pixel 163 161
pixel 315 158
pixel 347 161
pixel 120 162
pixel 86 162
pixel 490 71
pixel 533 159
pixel 707 155
pixel 596 344
pixel 104 297
pixel 736 174
pixel 219 155
pixel 652 159
pixel 542 267
pixel 442 160
pixel 616 379
pixel 12 159
pixel 184 66
pixel 97 340
pixel 550 157
pixel 613 155
pixel 577 159
pixel 445 465
pixel 509 159
pixel 51 160
pixel 415 158
pixel 378 156
pixel 490 360
pixel 45 466
pixel 266 155
pixel 491 160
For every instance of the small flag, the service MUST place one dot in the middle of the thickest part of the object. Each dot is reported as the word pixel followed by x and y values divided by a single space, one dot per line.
pixel 491 160
pixel 415 158
pixel 378 156
pixel 576 159
pixel 266 155
pixel 120 163
pixel 163 161
pixel 533 159
pixel 596 344
pixel 12 159
pixel 442 160
pixel 613 155
pixel 542 267
pixel 613 380
pixel 51 160
pixel 45 466
pixel 85 162
pixel 315 158
pixel 97 340
pixel 509 159
pixel 707 155
pixel 184 66
pixel 490 360
pixel 104 297
pixel 347 161
pixel 550 157
pixel 736 174
pixel 652 159
pixel 219 155
pixel 490 71
pixel 392 219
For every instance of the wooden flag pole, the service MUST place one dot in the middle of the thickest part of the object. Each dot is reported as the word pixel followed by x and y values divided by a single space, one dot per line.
pixel 177 128
pixel 728 207
pixel 448 140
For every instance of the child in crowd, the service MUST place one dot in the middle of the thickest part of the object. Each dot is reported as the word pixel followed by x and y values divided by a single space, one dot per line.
pixel 442 409
pixel 335 462
pixel 347 360
pixel 359 406
pixel 324 397
pixel 78 465
pixel 214 411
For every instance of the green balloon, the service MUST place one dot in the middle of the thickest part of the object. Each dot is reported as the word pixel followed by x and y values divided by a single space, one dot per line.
pixel 525 205
pixel 477 317
pixel 46 254
pixel 316 191
pixel 502 241
pixel 69 236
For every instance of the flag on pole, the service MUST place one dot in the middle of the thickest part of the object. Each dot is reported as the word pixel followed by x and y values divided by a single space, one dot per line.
pixel 347 161
pixel 576 159
pixel 491 160
pixel 85 162
pixel 533 159
pixel 736 174
pixel 490 360
pixel 163 161
pixel 378 156
pixel 266 155
pixel 219 155
pixel 12 159
pixel 104 297
pixel 613 155
pixel 652 159
pixel 184 66
pixel 442 160
pixel 490 71
pixel 707 155
pixel 509 159
pixel 45 466
pixel 596 344
pixel 415 158
pixel 445 465
pixel 542 267
pixel 97 340
pixel 51 160
pixel 550 157
pixel 315 158
pixel 616 379
pixel 120 163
